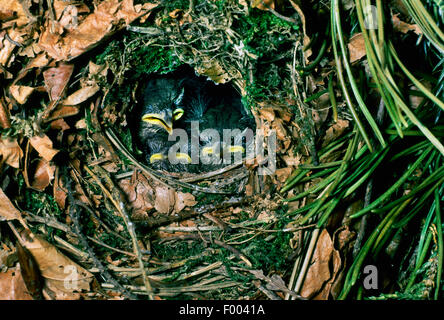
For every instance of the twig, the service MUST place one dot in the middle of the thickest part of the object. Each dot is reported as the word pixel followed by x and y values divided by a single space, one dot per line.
pixel 103 271
pixel 179 290
pixel 117 200
pixel 271 295
pixel 212 173
pixel 311 247
pixel 156 175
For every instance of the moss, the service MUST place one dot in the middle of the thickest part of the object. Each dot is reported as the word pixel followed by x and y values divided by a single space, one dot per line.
pixel 269 255
pixel 177 250
pixel 131 54
pixel 262 32
pixel 37 202
pixel 267 37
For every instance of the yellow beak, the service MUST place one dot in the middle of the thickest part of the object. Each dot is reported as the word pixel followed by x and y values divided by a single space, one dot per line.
pixel 156 157
pixel 158 120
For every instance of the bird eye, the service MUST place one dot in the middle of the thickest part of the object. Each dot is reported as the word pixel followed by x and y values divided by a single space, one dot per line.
pixel 178 113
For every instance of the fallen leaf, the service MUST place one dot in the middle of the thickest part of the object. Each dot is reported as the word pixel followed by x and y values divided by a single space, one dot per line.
pixel 61 111
pixel 356 47
pixel 282 174
pixel 267 114
pixel 59 190
pixel 335 131
pixel 139 194
pixel 292 161
pixel 212 69
pixel 165 199
pixel 21 19
pixel 59 124
pixel 404 27
pixel 183 200
pixel 81 95
pixel 266 217
pixel 5 122
pixel 39 61
pixel 263 4
pixel 336 266
pixel 42 175
pixel 97 69
pixel 319 272
pixel 21 93
pixel 30 272
pixel 12 286
pixel 56 80
pixel 7 209
pixel 106 19
pixel 10 152
pixel 43 145
pixel 60 274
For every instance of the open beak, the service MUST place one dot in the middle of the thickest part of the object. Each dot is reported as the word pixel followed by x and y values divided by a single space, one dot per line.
pixel 158 120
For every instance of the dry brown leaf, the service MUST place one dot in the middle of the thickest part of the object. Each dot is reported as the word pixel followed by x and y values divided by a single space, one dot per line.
pixel 61 275
pixel 30 272
pixel 214 71
pixel 62 111
pixel 21 93
pixel 104 21
pixel 38 62
pixel 6 14
pixel 183 200
pixel 59 124
pixel 263 4
pixel 336 265
pixel 139 194
pixel 165 199
pixel 12 286
pixel 267 114
pixel 282 174
pixel 42 175
pixel 60 6
pixel 97 69
pixel 10 152
pixel 56 80
pixel 356 47
pixel 319 272
pixel 7 209
pixel 81 95
pixel 266 216
pixel 335 131
pixel 292 160
pixel 7 47
pixel 404 27
pixel 43 145
pixel 59 191
pixel 21 19
pixel 5 122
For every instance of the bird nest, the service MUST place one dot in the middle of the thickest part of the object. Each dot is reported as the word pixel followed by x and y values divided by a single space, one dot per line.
pixel 229 43
pixel 101 184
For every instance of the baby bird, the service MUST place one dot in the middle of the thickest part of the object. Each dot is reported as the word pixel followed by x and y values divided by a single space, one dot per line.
pixel 158 112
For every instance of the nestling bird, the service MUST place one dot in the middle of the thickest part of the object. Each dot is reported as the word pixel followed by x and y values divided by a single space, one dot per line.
pixel 181 102
pixel 160 108
pixel 223 124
